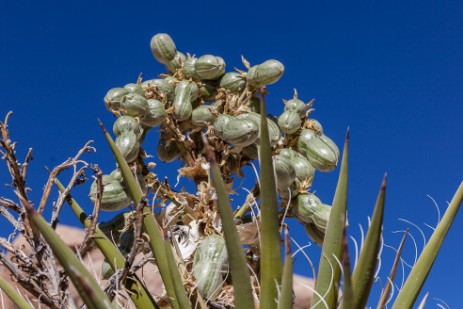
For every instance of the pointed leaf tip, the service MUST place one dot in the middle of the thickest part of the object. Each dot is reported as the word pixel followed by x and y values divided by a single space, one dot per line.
pixel 347 134
pixel 102 126
pixel 383 184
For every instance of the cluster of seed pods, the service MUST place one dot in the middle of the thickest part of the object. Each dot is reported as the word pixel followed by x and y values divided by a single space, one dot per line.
pixel 198 99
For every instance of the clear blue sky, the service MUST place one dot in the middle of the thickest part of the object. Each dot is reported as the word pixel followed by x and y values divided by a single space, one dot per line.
pixel 391 70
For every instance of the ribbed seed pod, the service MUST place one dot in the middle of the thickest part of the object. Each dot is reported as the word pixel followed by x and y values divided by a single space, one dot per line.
pixel 114 97
pixel 266 73
pixel 285 172
pixel 189 68
pixel 202 116
pixel 162 88
pixel 220 122
pixel 319 149
pixel 314 233
pixel 176 63
pixel 128 145
pixel 233 82
pixel 273 128
pixel 157 114
pixel 115 195
pixel 304 170
pixel 289 122
pixel 117 174
pixel 135 88
pixel 209 262
pixel 297 106
pixel 292 191
pixel 185 93
pixel 210 67
pixel 314 125
pixel 239 132
pixel 167 149
pixel 163 47
pixel 288 153
pixel 135 105
pixel 126 123
pixel 307 207
pixel 314 215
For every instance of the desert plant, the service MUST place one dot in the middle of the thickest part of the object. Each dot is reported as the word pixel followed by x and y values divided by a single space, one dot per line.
pixel 209 253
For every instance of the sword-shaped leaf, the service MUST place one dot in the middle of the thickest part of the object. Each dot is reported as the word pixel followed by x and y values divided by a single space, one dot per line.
pixel 137 291
pixel 271 262
pixel 364 272
pixel 238 266
pixel 329 271
pixel 150 225
pixel 412 287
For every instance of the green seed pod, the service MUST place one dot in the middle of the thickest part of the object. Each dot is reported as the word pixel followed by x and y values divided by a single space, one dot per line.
pixel 317 235
pixel 266 73
pixel 304 170
pixel 292 191
pixel 135 105
pixel 251 151
pixel 297 106
pixel 209 262
pixel 135 88
pixel 314 125
pixel 126 123
pixel 210 67
pixel 163 47
pixel 156 115
pixel 309 206
pixel 162 87
pixel 240 132
pixel 285 172
pixel 117 174
pixel 233 82
pixel 202 116
pixel 114 97
pixel 185 93
pixel 289 122
pixel 115 195
pixel 288 153
pixel 176 63
pixel 221 121
pixel 273 129
pixel 189 68
pixel 167 149
pixel 128 145
pixel 319 149
pixel 314 215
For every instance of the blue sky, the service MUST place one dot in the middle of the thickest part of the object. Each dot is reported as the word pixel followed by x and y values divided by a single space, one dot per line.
pixel 390 70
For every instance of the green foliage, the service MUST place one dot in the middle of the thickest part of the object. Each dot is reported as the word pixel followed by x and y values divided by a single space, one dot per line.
pixel 209 253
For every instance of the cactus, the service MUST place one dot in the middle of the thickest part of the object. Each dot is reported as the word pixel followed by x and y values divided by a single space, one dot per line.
pixel 206 251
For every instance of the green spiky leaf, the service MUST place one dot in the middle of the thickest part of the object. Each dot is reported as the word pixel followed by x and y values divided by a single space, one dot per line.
pixel 364 272
pixel 271 262
pixel 412 287
pixel 329 271
pixel 150 225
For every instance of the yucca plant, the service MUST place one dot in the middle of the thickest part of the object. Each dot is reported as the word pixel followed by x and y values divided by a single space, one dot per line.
pixel 209 253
